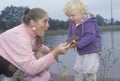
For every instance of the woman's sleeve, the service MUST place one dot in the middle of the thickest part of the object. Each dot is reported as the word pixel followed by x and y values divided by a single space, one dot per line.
pixel 19 49
pixel 43 48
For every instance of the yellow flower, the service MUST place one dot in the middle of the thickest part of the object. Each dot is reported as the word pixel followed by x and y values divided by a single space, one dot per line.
pixel 64 73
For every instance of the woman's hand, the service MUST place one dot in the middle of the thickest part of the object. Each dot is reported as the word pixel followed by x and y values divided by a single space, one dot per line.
pixel 61 49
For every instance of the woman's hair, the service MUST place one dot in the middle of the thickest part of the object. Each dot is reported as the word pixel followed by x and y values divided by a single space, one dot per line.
pixel 75 6
pixel 32 14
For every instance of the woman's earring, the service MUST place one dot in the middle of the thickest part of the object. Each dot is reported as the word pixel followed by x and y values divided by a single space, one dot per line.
pixel 34 28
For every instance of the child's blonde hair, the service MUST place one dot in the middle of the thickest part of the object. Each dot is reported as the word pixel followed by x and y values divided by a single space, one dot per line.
pixel 75 6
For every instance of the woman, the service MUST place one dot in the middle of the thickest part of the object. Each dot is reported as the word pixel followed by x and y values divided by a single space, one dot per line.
pixel 84 26
pixel 17 46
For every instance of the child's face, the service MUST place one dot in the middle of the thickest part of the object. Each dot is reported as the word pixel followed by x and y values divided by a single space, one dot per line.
pixel 76 18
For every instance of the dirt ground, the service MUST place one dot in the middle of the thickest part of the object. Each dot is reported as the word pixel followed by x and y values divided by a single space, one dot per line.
pixel 19 76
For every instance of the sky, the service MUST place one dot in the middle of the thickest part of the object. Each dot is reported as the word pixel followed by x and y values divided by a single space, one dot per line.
pixel 55 7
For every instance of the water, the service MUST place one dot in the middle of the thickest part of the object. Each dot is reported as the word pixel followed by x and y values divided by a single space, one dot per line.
pixel 110 41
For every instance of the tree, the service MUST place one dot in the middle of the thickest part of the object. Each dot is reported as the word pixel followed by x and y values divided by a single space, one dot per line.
pixel 57 24
pixel 10 17
pixel 117 23
pixel 100 20
pixel 53 24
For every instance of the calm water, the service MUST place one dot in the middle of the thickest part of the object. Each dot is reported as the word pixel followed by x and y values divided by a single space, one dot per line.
pixel 110 41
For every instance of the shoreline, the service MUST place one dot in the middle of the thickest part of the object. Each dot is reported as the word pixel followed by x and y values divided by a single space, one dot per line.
pixel 64 31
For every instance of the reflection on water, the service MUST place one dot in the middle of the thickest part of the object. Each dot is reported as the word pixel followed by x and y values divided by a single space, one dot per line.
pixel 110 41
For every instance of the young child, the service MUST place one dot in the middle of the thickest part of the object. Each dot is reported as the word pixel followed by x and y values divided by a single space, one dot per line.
pixel 84 25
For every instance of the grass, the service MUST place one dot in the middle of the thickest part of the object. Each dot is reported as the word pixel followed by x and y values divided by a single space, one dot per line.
pixel 110 28
pixel 102 28
pixel 56 32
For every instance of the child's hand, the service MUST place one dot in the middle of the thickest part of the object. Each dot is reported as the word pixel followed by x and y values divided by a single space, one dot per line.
pixel 73 44
pixel 73 41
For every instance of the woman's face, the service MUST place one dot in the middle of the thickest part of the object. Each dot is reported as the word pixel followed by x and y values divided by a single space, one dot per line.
pixel 76 18
pixel 42 26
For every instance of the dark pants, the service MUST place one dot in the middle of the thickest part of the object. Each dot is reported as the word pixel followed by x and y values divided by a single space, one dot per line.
pixel 6 67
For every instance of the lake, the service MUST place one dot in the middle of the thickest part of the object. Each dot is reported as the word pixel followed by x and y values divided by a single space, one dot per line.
pixel 111 45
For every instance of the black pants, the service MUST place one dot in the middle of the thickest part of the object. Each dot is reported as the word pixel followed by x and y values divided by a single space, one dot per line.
pixel 4 68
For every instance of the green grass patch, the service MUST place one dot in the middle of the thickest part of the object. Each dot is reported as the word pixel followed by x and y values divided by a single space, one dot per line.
pixel 110 28
pixel 56 32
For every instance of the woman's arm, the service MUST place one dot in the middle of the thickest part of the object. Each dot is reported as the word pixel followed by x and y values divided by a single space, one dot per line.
pixel 18 50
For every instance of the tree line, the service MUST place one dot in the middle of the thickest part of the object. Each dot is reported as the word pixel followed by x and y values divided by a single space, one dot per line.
pixel 11 16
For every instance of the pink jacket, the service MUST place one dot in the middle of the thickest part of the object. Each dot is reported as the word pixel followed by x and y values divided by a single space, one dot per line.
pixel 16 46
